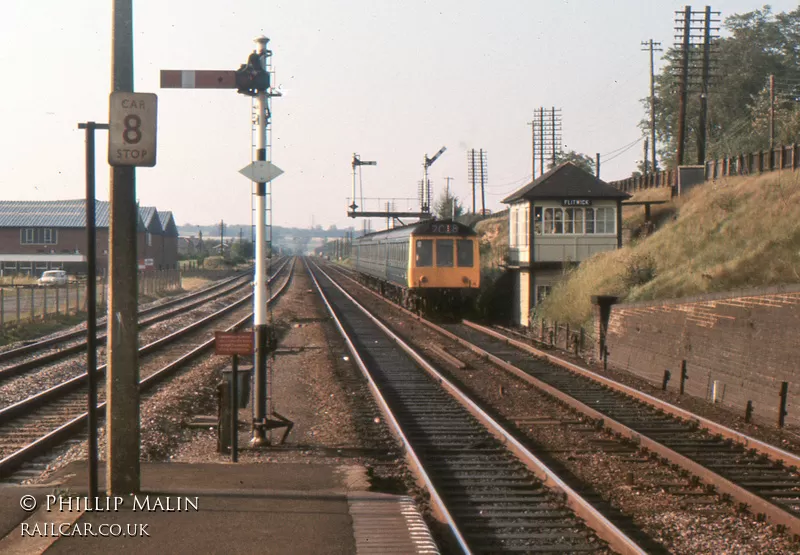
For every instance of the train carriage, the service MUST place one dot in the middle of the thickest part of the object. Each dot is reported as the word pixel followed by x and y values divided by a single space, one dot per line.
pixel 432 264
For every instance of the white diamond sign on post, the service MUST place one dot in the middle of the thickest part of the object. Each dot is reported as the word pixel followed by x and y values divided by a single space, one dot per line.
pixel 261 171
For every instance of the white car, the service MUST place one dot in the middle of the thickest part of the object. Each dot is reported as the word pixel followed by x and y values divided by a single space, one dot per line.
pixel 53 277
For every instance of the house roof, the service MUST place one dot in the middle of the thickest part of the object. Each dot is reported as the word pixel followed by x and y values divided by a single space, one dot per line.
pixel 150 219
pixel 51 213
pixel 566 181
pixel 168 223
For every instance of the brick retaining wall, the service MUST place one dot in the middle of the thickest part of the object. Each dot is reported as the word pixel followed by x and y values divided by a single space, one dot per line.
pixel 749 341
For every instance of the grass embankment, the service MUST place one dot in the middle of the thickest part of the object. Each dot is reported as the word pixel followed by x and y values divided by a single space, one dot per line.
pixel 733 233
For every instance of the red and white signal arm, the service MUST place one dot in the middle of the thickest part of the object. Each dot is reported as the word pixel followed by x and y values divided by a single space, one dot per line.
pixel 132 129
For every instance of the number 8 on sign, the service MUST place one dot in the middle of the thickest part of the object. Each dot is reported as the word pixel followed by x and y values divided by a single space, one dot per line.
pixel 132 126
pixel 132 135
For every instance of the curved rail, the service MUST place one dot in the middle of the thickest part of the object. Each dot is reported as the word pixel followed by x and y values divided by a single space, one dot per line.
pixel 44 343
pixel 392 382
pixel 36 448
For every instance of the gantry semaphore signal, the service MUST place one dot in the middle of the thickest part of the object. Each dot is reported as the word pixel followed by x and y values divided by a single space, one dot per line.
pixel 389 212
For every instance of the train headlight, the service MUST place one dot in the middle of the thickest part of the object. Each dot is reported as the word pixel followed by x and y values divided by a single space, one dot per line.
pixel 465 280
pixel 423 279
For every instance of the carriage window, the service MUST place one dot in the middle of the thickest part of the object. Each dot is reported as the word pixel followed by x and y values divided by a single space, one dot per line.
pixel 465 259
pixel 444 253
pixel 425 252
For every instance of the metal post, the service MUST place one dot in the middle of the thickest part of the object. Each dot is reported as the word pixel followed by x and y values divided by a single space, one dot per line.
pixel 122 377
pixel 684 376
pixel 782 409
pixel 748 412
pixel 665 380
pixel 260 296
pixel 91 300
pixel 235 409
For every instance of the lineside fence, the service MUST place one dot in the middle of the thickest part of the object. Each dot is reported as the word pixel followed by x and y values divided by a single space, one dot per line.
pixel 31 303
pixel 579 341
pixel 784 157
pixel 154 282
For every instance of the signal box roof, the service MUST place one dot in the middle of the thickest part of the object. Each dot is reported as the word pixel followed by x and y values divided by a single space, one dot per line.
pixel 566 181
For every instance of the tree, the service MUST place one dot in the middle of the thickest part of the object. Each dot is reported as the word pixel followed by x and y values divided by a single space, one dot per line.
pixel 760 44
pixel 242 250
pixel 581 160
pixel 445 205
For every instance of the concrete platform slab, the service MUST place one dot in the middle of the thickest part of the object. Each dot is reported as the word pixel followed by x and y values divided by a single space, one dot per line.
pixel 217 508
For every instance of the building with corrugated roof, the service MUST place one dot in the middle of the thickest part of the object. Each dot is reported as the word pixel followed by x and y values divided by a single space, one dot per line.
pixel 574 216
pixel 36 236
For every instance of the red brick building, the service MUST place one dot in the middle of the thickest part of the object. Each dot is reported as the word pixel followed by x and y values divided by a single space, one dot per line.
pixel 44 235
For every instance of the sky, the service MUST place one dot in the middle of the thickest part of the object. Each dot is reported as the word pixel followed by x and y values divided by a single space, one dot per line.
pixel 392 81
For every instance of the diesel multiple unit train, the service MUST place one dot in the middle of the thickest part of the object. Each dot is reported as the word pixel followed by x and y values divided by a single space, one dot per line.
pixel 428 265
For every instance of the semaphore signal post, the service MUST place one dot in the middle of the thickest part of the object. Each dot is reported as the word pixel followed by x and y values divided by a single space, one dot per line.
pixel 251 79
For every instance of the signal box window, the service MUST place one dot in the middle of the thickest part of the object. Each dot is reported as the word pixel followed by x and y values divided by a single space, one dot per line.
pixel 464 254
pixel 444 253
pixel 424 253
pixel 541 293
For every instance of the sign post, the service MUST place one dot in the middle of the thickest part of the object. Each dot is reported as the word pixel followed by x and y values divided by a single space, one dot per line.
pixel 234 344
pixel 91 301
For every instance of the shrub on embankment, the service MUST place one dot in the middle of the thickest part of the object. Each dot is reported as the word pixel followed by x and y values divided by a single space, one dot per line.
pixel 736 232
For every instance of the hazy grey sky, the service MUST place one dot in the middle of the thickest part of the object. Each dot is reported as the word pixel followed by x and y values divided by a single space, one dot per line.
pixel 390 80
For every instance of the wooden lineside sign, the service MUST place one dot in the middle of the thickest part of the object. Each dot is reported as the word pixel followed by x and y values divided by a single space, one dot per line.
pixel 197 79
pixel 233 343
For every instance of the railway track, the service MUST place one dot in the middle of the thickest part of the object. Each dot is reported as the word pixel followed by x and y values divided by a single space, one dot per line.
pixel 54 348
pixel 763 478
pixel 33 426
pixel 491 491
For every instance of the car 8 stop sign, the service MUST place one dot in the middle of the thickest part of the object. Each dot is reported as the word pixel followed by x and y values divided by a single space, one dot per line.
pixel 132 129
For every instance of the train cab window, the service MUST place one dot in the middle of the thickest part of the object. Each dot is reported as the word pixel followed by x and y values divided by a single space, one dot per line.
pixel 464 254
pixel 424 252
pixel 444 253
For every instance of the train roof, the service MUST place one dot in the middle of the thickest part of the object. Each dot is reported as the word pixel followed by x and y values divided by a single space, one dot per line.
pixel 425 227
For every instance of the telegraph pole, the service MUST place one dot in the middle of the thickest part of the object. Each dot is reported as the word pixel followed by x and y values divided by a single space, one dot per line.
pixel 472 174
pixel 771 112
pixel 533 149
pixel 483 182
pixel 684 83
pixel 122 378
pixel 222 239
pixel 701 141
pixel 644 153
pixel 652 47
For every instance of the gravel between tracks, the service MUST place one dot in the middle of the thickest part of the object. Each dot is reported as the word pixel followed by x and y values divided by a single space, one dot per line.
pixel 314 385
pixel 678 517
